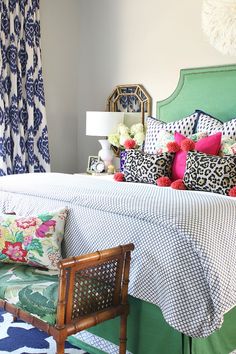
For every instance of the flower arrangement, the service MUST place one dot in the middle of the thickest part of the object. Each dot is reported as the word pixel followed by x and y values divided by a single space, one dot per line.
pixel 127 138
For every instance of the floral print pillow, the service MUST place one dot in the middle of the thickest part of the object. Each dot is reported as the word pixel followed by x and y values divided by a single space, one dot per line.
pixel 228 147
pixel 32 240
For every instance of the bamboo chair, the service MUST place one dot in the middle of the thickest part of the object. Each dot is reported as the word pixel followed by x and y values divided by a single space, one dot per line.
pixel 93 288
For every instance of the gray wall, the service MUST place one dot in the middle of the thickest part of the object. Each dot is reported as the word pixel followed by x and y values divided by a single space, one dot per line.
pixel 90 46
pixel 60 55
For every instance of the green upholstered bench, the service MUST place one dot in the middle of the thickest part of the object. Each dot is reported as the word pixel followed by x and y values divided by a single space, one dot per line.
pixel 85 291
pixel 31 289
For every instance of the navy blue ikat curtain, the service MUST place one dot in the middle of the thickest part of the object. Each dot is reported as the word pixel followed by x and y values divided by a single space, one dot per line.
pixel 23 129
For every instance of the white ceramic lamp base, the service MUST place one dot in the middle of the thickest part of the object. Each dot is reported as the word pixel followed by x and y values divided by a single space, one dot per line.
pixel 106 154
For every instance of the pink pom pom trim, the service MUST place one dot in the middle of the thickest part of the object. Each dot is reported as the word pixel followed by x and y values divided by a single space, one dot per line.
pixel 119 177
pixel 178 184
pixel 163 182
pixel 172 146
pixel 187 145
pixel 232 192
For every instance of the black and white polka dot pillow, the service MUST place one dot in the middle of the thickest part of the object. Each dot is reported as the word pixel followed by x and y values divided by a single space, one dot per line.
pixel 184 126
pixel 208 124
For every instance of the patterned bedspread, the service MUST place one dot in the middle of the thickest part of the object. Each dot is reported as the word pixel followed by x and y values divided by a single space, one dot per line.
pixel 184 260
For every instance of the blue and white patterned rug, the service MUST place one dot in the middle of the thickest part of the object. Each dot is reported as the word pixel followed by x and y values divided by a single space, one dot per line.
pixel 21 338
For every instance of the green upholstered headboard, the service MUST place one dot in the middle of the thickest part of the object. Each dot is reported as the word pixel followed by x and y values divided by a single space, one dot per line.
pixel 211 89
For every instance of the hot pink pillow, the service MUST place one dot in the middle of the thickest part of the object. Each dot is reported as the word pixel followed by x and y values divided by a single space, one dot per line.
pixel 209 145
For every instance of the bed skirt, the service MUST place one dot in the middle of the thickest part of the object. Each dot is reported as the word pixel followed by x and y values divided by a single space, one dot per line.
pixel 149 333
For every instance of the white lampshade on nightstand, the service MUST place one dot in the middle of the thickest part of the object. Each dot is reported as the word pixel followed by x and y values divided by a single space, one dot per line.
pixel 103 124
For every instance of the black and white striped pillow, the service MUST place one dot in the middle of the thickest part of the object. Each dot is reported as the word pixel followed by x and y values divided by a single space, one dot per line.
pixel 184 126
pixel 208 124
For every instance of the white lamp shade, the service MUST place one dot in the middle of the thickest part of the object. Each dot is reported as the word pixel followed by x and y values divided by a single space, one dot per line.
pixel 103 123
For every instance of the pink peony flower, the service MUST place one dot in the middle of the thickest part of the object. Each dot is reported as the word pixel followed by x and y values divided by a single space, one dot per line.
pixel 25 223
pixel 129 144
pixel 178 184
pixel 14 251
pixel 163 182
pixel 119 177
pixel 43 229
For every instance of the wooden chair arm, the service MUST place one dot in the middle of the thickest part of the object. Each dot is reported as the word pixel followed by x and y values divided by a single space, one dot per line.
pixel 79 261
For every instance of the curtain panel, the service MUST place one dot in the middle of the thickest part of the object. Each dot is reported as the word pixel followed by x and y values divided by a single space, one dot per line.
pixel 23 129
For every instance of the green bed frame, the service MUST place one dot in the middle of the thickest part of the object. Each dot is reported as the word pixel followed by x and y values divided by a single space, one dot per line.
pixel 213 90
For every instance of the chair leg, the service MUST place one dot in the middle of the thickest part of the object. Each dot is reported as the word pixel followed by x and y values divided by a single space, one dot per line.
pixel 60 347
pixel 14 318
pixel 123 329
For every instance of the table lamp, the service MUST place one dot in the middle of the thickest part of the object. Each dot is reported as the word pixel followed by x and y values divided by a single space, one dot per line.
pixel 103 124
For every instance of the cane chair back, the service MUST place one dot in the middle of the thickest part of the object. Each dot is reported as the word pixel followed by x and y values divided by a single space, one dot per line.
pixel 97 287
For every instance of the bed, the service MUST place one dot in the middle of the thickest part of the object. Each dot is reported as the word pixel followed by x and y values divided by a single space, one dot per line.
pixel 178 271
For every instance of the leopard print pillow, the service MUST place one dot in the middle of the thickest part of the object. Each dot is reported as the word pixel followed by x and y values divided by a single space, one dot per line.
pixel 146 168
pixel 210 173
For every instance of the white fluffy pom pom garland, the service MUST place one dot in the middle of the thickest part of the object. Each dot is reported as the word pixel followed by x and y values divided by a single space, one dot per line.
pixel 219 24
